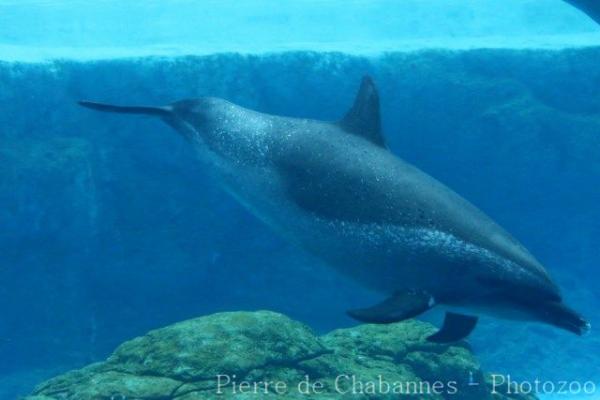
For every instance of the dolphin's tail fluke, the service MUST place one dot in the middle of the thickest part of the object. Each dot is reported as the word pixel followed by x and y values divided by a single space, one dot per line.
pixel 146 110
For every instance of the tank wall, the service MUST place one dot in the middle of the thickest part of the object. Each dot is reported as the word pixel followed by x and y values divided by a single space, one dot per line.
pixel 110 228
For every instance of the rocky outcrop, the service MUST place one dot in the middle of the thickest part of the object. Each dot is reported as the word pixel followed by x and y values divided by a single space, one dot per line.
pixel 246 355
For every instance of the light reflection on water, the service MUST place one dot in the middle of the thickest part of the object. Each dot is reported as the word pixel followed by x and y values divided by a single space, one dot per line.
pixel 111 23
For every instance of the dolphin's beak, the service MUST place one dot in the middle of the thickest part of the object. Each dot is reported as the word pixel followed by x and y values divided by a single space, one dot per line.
pixel 563 317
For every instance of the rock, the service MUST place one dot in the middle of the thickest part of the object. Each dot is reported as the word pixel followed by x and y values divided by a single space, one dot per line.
pixel 226 343
pixel 252 355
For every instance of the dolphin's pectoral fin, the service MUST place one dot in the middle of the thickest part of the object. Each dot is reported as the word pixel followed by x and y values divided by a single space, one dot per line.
pixel 456 327
pixel 401 306
pixel 363 119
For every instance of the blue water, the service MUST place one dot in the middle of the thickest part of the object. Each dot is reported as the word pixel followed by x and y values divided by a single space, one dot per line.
pixel 109 226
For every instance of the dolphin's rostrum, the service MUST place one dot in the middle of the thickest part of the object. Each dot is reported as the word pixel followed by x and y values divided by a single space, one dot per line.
pixel 335 190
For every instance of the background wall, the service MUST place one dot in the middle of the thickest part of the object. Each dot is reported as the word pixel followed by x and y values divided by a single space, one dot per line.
pixel 108 227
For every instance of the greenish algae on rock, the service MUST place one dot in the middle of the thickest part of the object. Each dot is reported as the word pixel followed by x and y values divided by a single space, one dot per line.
pixel 277 358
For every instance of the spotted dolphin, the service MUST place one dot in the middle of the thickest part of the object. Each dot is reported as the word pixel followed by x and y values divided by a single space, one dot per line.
pixel 337 191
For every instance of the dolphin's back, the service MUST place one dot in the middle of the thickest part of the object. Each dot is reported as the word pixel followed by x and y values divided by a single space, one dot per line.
pixel 342 177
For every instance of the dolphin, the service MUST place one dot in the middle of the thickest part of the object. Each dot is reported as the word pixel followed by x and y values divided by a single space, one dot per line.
pixel 337 191
pixel 590 7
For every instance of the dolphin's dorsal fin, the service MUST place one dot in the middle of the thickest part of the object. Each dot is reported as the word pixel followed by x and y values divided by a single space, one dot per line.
pixel 363 118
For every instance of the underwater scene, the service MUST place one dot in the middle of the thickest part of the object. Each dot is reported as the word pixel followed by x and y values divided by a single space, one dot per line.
pixel 319 199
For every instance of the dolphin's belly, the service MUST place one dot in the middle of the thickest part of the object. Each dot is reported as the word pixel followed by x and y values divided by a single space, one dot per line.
pixel 389 258
pixel 383 257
